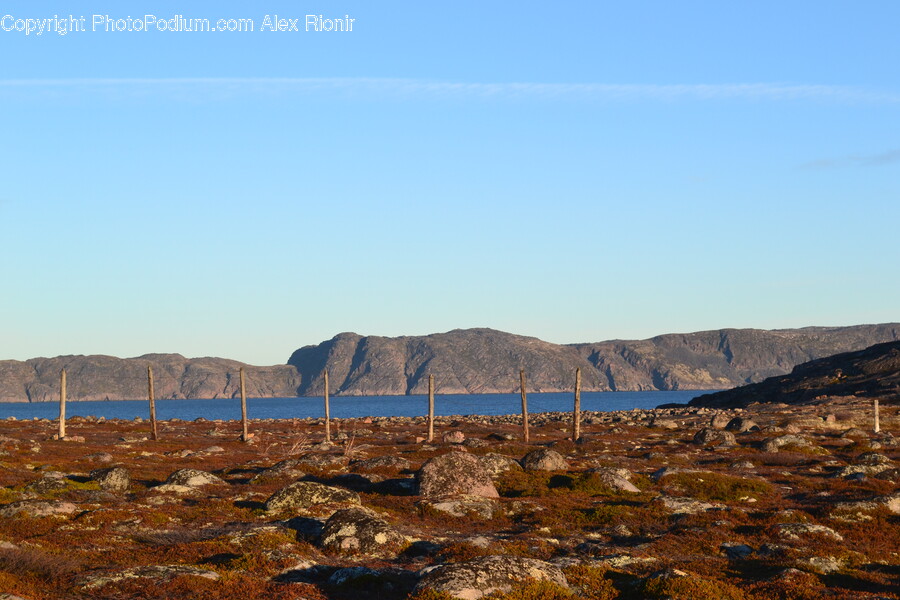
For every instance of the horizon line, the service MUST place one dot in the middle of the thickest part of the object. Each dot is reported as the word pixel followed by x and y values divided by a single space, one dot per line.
pixel 412 87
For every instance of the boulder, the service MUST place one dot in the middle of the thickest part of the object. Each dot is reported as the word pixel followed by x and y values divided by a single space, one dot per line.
pixel 544 459
pixel 464 506
pixel 357 531
pixel 37 508
pixel 455 474
pixel 616 479
pixel 154 573
pixel 497 464
pixel 113 479
pixel 306 494
pixel 708 436
pixel 777 443
pixel 797 531
pixel 288 468
pixel 454 437
pixel 719 421
pixel 381 462
pixel 741 425
pixel 193 478
pixel 488 574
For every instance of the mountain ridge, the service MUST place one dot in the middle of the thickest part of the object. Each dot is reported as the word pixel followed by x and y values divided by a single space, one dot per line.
pixel 478 360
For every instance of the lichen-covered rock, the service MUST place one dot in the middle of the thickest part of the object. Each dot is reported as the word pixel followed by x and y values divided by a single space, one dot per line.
pixel 498 464
pixel 464 506
pixel 617 479
pixel 381 462
pixel 684 506
pixel 192 478
pixel 288 468
pixel 454 437
pixel 157 573
pixel 788 440
pixel 51 481
pixel 305 494
pixel 357 531
pixel 485 575
pixel 37 508
pixel 719 421
pixel 708 436
pixel 544 459
pixel 741 425
pixel 114 479
pixel 455 474
pixel 797 531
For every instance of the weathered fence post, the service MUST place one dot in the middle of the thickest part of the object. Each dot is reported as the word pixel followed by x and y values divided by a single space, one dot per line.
pixel 524 405
pixel 62 404
pixel 877 423
pixel 244 434
pixel 327 411
pixel 152 397
pixel 430 408
pixel 576 413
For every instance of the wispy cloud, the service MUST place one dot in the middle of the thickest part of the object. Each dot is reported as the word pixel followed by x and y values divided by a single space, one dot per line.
pixel 367 87
pixel 855 160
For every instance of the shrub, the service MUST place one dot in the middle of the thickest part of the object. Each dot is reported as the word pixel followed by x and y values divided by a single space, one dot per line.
pixel 691 587
pixel 717 487
pixel 590 583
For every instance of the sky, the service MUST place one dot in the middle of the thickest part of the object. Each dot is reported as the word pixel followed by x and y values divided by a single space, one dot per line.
pixel 576 171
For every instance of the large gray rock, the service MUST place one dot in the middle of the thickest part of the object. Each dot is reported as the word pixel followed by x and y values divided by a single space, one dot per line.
pixel 544 459
pixel 741 425
pixel 455 474
pixel 37 508
pixel 482 576
pixel 386 462
pixel 617 479
pixel 305 494
pixel 498 464
pixel 357 531
pixel 719 421
pixel 193 478
pixel 114 479
pixel 777 443
pixel 709 436
pixel 797 531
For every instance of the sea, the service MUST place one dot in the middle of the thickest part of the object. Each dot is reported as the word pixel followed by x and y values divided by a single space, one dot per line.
pixel 349 406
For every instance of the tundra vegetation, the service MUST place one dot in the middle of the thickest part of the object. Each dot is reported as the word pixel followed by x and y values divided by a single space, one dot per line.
pixel 642 506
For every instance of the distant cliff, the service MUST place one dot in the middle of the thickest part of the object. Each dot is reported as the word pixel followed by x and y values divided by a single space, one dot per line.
pixel 462 361
pixel 488 361
pixel 870 373
pixel 110 378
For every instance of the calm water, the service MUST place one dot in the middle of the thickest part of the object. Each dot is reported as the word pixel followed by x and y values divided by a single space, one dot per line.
pixel 349 406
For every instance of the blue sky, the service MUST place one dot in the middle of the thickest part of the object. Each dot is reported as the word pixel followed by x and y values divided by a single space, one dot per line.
pixel 576 172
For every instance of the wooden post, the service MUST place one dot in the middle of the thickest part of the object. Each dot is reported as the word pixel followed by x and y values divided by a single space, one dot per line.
pixel 430 408
pixel 245 434
pixel 327 411
pixel 576 413
pixel 877 423
pixel 150 395
pixel 62 404
pixel 524 405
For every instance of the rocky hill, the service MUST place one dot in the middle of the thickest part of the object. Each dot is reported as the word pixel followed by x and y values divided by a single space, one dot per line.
pixel 462 361
pixel 488 361
pixel 870 373
pixel 110 378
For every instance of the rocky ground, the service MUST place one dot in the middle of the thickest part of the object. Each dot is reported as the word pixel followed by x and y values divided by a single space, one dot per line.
pixel 770 502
